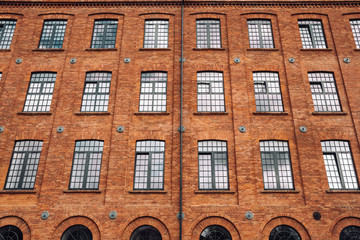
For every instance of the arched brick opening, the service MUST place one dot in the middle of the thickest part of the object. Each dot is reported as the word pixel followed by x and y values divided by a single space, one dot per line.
pixel 77 220
pixel 18 222
pixel 201 225
pixel 342 223
pixel 156 223
pixel 269 226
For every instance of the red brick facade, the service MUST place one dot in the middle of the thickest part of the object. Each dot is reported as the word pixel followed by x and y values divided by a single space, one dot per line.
pixel 227 208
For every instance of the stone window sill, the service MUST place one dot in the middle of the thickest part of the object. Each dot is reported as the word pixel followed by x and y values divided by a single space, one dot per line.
pixel 329 113
pixel 357 49
pixel 34 113
pixel 315 49
pixel 148 191
pixel 92 113
pixel 211 113
pixel 155 49
pixel 209 49
pixel 214 192
pixel 49 50
pixel 5 50
pixel 343 191
pixel 280 191
pixel 270 113
pixel 101 49
pixel 11 191
pixel 151 113
pixel 263 49
pixel 83 191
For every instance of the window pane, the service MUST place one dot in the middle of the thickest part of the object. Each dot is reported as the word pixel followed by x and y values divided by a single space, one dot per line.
pixel 7 28
pixel 260 33
pixel 104 35
pixel 210 92
pixel 156 34
pixel 208 33
pixel 153 92
pixel 52 35
pixel 355 26
pixel 312 34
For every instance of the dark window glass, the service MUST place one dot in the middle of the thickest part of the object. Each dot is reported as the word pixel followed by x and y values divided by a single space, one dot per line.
pixel 213 165
pixel 39 95
pixel 208 33
pixel 156 34
pixel 96 92
pixel 7 28
pixel 339 165
pixel 210 92
pixel 52 35
pixel 260 33
pixel 146 232
pixel 77 232
pixel 24 165
pixel 284 232
pixel 355 26
pixel 215 232
pixel 350 233
pixel 104 35
pixel 86 167
pixel 276 165
pixel 10 232
pixel 153 92
pixel 149 165
pixel 312 34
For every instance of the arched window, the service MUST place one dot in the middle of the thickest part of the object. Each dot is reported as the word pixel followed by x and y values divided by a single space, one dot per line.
pixel 77 232
pixel 10 232
pixel 146 232
pixel 284 232
pixel 215 232
pixel 350 233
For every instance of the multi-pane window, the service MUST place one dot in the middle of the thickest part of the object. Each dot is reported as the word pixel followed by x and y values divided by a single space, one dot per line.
pixel 260 33
pixel 355 26
pixel 324 92
pixel 149 165
pixel 153 92
pixel 86 166
pixel 210 92
pixel 276 165
pixel 24 165
pixel 39 95
pixel 156 34
pixel 267 92
pixel 7 28
pixel 52 35
pixel 104 35
pixel 312 34
pixel 208 33
pixel 213 165
pixel 339 165
pixel 96 92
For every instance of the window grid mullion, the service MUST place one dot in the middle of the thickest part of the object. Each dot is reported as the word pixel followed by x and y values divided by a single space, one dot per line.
pixel 156 35
pixel 86 170
pixel 52 35
pixel 260 35
pixel 275 156
pixel 22 174
pixel 213 180
pixel 312 36
pixel 2 32
pixel 339 167
pixel 148 184
pixel 104 36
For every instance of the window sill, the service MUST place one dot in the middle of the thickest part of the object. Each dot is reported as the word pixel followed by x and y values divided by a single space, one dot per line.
pixel 5 50
pixel 214 192
pixel 101 49
pixel 83 191
pixel 34 113
pixel 148 191
pixel 11 191
pixel 211 113
pixel 316 49
pixel 329 113
pixel 49 50
pixel 270 113
pixel 280 191
pixel 263 49
pixel 91 113
pixel 357 49
pixel 155 49
pixel 209 49
pixel 151 113
pixel 343 191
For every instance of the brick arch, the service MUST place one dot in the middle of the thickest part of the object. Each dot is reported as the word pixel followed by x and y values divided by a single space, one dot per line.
pixel 154 222
pixel 284 220
pixel 77 220
pixel 342 223
pixel 215 220
pixel 18 222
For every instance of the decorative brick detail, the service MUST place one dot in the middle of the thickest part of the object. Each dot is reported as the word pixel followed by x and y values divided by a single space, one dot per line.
pixel 340 224
pixel 17 222
pixel 156 223
pixel 77 220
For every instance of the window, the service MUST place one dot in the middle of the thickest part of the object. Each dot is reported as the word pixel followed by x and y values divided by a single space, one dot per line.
pixel 267 92
pixel 153 92
pixel 210 88
pixel 7 28
pixel 0 75
pixel 208 33
pixel 77 232
pixel 324 92
pixel 96 92
pixel 146 232
pixel 276 165
pixel 39 95
pixel 312 34
pixel 156 34
pixel 10 232
pixel 355 26
pixel 149 165
pixel 284 232
pixel 52 35
pixel 86 166
pixel 339 165
pixel 104 35
pixel 24 165
pixel 348 233
pixel 213 165
pixel 215 232
pixel 260 33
